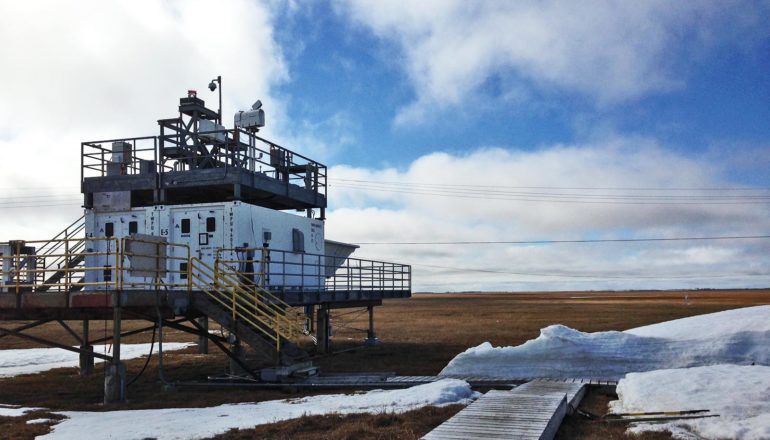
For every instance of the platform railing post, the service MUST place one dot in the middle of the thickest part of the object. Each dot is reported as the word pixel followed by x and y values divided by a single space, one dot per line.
pixel 67 261
pixel 18 269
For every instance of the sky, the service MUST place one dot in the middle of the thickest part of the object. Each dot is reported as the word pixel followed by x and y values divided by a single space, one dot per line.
pixel 440 121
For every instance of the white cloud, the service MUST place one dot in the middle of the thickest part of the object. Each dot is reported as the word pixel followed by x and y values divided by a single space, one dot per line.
pixel 498 194
pixel 88 70
pixel 608 50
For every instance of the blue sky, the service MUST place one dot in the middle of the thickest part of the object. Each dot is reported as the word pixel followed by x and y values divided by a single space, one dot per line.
pixel 440 120
pixel 721 101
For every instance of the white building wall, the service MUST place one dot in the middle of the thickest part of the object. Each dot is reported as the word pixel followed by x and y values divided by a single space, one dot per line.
pixel 207 228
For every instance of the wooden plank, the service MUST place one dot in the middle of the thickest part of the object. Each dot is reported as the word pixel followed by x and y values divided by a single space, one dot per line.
pixel 501 414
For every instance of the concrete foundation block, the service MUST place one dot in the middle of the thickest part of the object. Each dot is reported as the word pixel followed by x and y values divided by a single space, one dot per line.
pixel 115 383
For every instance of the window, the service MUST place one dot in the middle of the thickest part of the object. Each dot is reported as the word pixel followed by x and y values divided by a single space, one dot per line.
pixel 298 240
pixel 133 227
pixel 109 229
pixel 185 226
pixel 182 271
pixel 211 224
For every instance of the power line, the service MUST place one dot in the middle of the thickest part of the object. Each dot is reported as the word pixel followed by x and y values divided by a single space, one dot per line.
pixel 607 240
pixel 594 276
pixel 538 196
pixel 576 188
pixel 38 197
pixel 561 198
pixel 41 206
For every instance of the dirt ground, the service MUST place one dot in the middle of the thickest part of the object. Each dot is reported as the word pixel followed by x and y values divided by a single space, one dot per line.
pixel 418 336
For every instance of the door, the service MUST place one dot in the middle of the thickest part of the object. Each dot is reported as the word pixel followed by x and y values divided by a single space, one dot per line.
pixel 201 228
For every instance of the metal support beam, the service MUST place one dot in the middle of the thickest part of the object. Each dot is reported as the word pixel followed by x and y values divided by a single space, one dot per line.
pixel 323 329
pixel 218 342
pixel 176 326
pixel 173 324
pixel 309 323
pixel 371 337
pixel 115 374
pixel 17 333
pixel 123 335
pixel 70 331
pixel 12 332
pixel 203 339
pixel 236 358
pixel 87 356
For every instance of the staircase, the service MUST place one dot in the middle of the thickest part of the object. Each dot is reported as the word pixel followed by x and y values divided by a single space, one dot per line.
pixel 247 310
pixel 58 258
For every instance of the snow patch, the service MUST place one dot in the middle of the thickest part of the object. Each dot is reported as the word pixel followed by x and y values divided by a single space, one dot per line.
pixel 15 410
pixel 739 394
pixel 740 336
pixel 35 360
pixel 39 421
pixel 196 423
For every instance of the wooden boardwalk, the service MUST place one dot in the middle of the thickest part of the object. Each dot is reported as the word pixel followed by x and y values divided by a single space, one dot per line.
pixel 532 411
pixel 383 380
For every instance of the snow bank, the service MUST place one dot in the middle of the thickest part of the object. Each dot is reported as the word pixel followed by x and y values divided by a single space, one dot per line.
pixel 712 325
pixel 196 423
pixel 740 394
pixel 739 336
pixel 35 360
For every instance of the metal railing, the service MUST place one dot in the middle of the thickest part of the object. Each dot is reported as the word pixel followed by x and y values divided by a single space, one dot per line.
pixel 62 268
pixel 121 263
pixel 279 270
pixel 177 149
pixel 240 280
pixel 96 157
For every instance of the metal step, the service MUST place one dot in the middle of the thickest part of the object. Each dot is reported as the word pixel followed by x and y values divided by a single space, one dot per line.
pixel 61 273
pixel 255 338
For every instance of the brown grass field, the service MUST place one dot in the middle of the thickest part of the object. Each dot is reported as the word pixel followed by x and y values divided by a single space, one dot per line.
pixel 419 336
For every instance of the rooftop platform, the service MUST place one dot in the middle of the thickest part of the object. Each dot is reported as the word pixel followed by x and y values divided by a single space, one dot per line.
pixel 195 160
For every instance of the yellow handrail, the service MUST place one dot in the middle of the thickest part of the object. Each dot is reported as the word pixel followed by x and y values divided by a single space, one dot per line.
pixel 250 304
pixel 67 258
pixel 55 271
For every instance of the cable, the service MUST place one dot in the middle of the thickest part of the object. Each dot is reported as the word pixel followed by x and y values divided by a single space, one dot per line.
pixel 147 362
pixel 608 240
